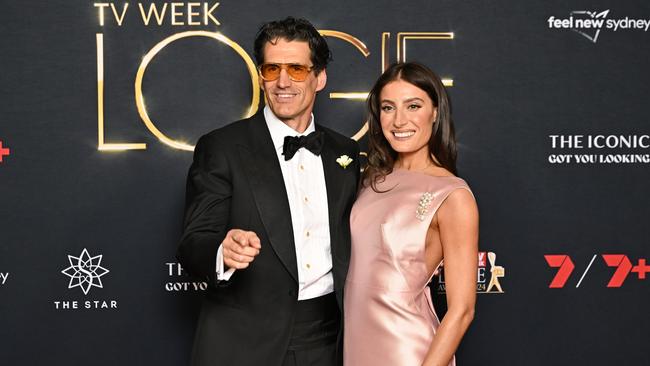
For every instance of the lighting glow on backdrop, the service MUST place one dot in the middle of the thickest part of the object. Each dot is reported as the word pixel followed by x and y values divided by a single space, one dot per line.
pixel 101 104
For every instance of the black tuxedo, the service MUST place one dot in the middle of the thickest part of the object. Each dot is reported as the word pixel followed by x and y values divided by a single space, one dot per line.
pixel 235 181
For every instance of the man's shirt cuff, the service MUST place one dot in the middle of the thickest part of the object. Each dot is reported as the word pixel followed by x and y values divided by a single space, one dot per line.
pixel 221 274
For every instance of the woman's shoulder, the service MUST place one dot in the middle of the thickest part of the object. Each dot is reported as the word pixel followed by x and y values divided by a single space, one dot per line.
pixel 441 177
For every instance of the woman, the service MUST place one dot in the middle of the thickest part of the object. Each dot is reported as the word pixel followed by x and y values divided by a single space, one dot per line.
pixel 410 213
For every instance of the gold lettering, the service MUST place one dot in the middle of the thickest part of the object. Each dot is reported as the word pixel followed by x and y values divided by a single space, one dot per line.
pixel 153 9
pixel 118 18
pixel 175 14
pixel 402 37
pixel 190 13
pixel 101 7
pixel 354 95
pixel 207 13
pixel 101 144
pixel 348 38
pixel 385 59
pixel 139 97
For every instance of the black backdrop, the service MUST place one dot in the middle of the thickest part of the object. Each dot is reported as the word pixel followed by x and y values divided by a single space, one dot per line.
pixel 519 78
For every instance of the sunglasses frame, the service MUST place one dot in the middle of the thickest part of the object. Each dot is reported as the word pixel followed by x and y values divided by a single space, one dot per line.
pixel 284 66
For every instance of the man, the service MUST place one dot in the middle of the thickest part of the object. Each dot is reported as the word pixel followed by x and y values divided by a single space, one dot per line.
pixel 267 217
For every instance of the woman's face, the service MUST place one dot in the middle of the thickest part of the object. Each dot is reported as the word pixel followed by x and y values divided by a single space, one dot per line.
pixel 407 116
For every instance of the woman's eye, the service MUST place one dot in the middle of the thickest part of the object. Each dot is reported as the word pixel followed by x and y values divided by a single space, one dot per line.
pixel 386 108
pixel 414 107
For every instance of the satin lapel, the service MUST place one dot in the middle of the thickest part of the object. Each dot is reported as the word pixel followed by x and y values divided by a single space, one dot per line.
pixel 334 181
pixel 265 176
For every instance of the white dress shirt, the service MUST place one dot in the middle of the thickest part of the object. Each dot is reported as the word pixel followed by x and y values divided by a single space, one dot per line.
pixel 304 181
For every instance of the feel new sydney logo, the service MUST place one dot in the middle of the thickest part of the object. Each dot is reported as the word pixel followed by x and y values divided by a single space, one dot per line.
pixel 590 24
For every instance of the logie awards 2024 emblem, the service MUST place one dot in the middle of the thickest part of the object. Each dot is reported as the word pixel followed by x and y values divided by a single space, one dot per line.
pixel 487 281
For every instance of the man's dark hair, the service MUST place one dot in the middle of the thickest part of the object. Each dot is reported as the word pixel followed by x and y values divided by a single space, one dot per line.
pixel 294 29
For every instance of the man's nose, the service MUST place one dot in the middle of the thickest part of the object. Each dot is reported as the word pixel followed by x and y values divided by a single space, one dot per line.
pixel 284 81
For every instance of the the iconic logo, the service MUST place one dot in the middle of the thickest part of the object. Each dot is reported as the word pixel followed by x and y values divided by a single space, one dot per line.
pixel 483 286
pixel 590 149
pixel 621 262
pixel 3 277
pixel 179 281
pixel 589 24
pixel 85 271
pixel 4 151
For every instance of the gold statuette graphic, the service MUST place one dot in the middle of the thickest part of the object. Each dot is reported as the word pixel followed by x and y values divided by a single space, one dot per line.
pixel 496 272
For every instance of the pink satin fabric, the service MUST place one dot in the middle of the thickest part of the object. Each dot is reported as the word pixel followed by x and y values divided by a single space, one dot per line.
pixel 389 316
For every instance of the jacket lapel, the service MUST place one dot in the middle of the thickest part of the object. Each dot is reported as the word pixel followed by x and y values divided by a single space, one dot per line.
pixel 267 185
pixel 335 181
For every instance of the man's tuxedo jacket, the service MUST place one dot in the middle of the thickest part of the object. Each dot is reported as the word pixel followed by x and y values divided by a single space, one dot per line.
pixel 235 182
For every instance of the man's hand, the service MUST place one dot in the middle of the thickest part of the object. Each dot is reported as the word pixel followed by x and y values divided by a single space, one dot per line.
pixel 240 248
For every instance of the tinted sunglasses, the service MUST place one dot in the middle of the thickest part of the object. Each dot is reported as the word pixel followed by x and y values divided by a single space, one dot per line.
pixel 296 72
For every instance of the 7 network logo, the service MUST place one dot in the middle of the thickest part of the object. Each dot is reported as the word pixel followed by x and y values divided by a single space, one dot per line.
pixel 624 266
pixel 589 24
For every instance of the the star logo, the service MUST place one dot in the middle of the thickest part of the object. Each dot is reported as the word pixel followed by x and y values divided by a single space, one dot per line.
pixel 85 271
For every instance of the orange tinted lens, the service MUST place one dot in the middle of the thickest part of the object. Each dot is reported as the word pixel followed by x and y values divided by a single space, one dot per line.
pixel 270 71
pixel 298 72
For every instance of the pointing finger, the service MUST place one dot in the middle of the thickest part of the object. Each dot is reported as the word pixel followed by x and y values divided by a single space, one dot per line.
pixel 254 241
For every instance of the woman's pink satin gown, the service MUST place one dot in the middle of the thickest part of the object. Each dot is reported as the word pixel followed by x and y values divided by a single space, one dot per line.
pixel 389 316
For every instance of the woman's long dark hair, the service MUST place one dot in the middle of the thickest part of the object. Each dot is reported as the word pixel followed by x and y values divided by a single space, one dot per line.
pixel 442 143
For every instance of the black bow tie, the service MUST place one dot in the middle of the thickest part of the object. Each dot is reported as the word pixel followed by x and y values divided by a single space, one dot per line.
pixel 312 142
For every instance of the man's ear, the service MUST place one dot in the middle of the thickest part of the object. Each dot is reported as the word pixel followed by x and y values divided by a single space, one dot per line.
pixel 321 80
pixel 261 81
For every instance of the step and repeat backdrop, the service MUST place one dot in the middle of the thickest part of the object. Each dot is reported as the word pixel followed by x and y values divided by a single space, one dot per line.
pixel 102 102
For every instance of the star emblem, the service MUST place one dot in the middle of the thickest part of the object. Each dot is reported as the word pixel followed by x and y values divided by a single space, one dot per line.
pixel 85 271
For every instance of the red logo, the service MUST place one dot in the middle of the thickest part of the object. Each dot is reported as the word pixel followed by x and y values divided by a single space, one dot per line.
pixel 482 259
pixel 565 265
pixel 4 151
pixel 623 268
pixel 621 262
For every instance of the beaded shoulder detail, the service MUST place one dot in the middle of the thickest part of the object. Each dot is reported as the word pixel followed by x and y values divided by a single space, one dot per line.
pixel 423 205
